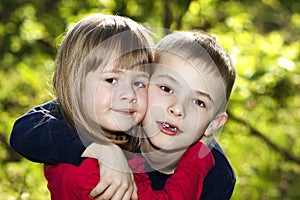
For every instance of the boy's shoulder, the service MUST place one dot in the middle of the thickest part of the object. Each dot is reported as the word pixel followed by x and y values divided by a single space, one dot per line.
pixel 221 158
pixel 221 178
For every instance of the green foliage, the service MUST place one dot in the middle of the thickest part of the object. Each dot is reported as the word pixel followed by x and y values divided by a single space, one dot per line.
pixel 261 138
pixel 23 180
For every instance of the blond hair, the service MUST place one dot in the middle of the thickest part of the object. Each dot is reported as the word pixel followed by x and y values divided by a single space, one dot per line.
pixel 200 47
pixel 92 43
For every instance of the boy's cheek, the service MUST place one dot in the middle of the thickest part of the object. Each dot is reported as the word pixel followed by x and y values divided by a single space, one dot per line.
pixel 156 110
pixel 154 113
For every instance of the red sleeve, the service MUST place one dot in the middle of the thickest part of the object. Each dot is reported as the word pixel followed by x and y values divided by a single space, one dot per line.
pixel 67 181
pixel 185 183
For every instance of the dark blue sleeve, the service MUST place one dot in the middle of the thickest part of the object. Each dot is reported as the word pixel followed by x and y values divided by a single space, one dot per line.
pixel 41 135
pixel 220 181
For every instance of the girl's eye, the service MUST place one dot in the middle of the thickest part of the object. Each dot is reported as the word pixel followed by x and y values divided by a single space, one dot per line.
pixel 199 103
pixel 139 84
pixel 166 89
pixel 111 80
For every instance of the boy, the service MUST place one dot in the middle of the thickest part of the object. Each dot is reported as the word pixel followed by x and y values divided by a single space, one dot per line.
pixel 194 80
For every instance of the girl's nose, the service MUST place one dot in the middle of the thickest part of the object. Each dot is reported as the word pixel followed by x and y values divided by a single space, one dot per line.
pixel 128 93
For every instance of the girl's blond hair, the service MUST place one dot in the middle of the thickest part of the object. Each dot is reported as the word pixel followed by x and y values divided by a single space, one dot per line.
pixel 96 41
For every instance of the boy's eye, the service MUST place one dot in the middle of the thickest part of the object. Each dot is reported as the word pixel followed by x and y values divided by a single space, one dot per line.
pixel 111 80
pixel 199 103
pixel 166 89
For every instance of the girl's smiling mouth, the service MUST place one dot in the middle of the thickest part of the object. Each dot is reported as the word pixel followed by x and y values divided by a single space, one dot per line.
pixel 124 111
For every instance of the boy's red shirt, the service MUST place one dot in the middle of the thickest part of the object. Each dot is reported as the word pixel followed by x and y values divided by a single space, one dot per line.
pixel 67 181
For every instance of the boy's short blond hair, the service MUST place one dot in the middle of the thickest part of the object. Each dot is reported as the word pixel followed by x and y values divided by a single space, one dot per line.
pixel 198 45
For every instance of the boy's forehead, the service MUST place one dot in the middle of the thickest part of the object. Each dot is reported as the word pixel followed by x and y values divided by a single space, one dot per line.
pixel 195 76
pixel 180 68
pixel 182 74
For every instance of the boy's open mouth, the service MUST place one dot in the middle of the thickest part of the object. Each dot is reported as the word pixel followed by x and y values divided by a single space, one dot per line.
pixel 169 129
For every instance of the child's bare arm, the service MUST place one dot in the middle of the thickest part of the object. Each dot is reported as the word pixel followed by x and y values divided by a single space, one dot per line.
pixel 117 181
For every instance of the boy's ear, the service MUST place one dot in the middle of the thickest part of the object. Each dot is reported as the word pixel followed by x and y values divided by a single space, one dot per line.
pixel 216 123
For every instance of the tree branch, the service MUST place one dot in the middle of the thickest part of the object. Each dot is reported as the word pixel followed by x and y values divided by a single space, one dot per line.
pixel 179 18
pixel 167 17
pixel 285 153
pixel 12 156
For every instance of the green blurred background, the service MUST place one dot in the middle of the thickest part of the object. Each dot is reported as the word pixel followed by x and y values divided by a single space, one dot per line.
pixel 261 138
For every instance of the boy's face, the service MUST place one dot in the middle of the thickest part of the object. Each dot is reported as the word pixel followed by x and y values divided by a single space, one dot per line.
pixel 116 99
pixel 181 103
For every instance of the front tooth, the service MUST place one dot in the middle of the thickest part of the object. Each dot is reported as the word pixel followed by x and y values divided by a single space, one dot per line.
pixel 166 125
pixel 174 129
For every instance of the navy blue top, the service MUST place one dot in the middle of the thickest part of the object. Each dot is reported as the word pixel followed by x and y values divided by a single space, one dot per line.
pixel 41 135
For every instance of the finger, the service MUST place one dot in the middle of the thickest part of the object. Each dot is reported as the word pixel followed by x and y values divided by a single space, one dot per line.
pixel 134 195
pixel 122 195
pixel 108 193
pixel 127 195
pixel 128 192
pixel 99 189
pixel 125 187
pixel 122 190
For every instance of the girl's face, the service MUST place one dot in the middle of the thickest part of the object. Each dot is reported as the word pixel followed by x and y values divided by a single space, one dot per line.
pixel 116 99
pixel 182 103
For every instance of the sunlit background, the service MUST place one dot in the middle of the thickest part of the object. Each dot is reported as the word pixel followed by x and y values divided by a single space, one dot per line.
pixel 261 138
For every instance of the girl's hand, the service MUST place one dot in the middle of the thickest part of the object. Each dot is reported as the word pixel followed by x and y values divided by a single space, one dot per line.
pixel 115 185
pixel 116 178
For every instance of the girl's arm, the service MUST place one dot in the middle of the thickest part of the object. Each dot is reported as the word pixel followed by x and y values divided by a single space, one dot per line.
pixel 41 135
pixel 66 180
pixel 117 181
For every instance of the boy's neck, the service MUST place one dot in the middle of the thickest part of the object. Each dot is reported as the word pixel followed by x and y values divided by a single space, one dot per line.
pixel 162 161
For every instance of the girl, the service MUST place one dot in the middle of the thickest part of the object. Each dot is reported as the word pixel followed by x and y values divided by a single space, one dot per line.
pixel 101 83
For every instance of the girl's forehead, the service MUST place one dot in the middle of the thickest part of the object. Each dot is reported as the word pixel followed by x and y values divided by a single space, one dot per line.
pixel 124 69
pixel 120 64
pixel 132 60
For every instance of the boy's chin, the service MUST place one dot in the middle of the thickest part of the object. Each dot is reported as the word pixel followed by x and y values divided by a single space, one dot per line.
pixel 167 147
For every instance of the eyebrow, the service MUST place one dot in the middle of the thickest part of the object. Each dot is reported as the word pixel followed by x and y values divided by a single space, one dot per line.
pixel 205 95
pixel 177 82
pixel 168 77
pixel 145 75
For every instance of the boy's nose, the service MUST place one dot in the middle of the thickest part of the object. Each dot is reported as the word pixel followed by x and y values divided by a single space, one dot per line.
pixel 176 111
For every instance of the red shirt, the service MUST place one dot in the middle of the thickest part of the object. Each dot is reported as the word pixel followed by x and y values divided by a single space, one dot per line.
pixel 67 181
